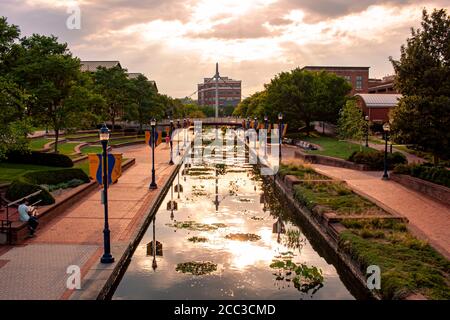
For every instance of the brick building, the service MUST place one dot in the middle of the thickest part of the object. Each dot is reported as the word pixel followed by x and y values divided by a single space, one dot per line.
pixel 357 76
pixel 229 92
pixel 377 105
pixel 384 85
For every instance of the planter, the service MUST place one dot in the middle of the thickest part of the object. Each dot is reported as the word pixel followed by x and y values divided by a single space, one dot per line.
pixel 433 190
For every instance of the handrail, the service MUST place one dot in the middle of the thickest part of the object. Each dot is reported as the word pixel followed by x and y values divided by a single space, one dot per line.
pixel 26 197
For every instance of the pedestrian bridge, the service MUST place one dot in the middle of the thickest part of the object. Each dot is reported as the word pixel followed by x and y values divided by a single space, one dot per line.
pixel 224 121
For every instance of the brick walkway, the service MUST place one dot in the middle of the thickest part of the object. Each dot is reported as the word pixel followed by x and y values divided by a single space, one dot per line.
pixel 428 219
pixel 37 270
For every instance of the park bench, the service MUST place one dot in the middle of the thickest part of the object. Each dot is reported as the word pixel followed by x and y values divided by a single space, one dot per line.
pixel 6 222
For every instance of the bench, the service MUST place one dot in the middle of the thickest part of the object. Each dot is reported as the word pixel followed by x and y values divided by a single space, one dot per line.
pixel 6 223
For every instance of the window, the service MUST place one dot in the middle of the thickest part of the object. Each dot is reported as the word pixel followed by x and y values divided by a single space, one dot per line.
pixel 359 83
pixel 348 78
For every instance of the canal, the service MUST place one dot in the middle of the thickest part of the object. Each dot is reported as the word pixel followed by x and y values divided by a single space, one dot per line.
pixel 222 233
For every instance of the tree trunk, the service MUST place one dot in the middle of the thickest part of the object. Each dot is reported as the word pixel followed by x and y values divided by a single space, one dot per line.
pixel 435 159
pixel 56 139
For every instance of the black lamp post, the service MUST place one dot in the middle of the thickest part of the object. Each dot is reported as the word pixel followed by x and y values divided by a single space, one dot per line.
pixel 178 137
pixel 171 142
pixel 104 138
pixel 153 183
pixel 266 120
pixel 280 118
pixel 184 132
pixel 386 129
pixel 367 130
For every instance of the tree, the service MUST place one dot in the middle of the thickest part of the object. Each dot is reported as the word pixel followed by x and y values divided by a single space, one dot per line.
pixel 14 126
pixel 48 72
pixel 113 84
pixel 422 116
pixel 146 103
pixel 351 123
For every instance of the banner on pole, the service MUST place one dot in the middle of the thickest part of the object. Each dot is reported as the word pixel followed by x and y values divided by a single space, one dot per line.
pixel 114 167
pixel 148 138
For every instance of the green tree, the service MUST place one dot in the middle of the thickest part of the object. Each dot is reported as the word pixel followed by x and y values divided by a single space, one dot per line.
pixel 422 117
pixel 351 123
pixel 113 84
pixel 145 101
pixel 48 72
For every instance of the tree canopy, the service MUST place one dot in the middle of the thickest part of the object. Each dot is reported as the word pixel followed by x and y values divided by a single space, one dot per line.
pixel 422 117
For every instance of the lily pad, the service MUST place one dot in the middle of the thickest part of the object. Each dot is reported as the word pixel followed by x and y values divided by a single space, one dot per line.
pixel 197 268
pixel 196 226
pixel 197 239
pixel 243 236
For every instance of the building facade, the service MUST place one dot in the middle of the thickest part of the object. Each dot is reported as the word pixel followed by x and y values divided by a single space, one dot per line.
pixel 358 77
pixel 384 85
pixel 377 105
pixel 229 92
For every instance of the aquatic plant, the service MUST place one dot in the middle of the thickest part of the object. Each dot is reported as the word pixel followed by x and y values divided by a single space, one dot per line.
pixel 196 226
pixel 243 236
pixel 197 268
pixel 197 239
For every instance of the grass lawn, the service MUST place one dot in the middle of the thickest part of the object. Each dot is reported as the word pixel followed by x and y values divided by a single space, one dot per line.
pixel 78 135
pixel 83 165
pixel 119 141
pixel 67 148
pixel 91 149
pixel 37 144
pixel 10 171
pixel 333 147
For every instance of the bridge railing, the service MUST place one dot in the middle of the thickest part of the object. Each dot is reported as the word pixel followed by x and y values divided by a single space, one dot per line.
pixel 224 120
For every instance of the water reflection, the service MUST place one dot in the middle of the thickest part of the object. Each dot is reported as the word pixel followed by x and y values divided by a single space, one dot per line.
pixel 230 238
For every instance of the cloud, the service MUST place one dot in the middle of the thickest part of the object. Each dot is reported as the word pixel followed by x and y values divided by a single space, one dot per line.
pixel 177 42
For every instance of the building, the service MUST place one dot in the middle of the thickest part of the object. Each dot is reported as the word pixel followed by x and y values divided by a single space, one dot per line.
pixel 384 85
pixel 93 65
pixel 377 105
pixel 357 76
pixel 134 75
pixel 229 91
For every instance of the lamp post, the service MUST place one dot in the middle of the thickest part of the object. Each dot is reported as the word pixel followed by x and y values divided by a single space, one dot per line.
pixel 280 118
pixel 104 138
pixel 184 132
pixel 367 130
pixel 386 129
pixel 178 135
pixel 266 119
pixel 171 142
pixel 153 183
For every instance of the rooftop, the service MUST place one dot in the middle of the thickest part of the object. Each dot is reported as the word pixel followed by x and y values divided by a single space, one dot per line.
pixel 334 68
pixel 93 65
pixel 379 100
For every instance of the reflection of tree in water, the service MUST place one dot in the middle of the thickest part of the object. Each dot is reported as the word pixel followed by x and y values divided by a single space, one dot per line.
pixel 293 240
pixel 305 279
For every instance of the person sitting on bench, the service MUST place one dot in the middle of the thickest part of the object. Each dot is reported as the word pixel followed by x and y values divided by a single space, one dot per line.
pixel 28 214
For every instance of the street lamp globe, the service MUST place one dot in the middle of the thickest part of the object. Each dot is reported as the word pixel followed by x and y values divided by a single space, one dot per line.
pixel 266 118
pixel 366 118
pixel 387 127
pixel 153 122
pixel 280 116
pixel 171 121
pixel 104 133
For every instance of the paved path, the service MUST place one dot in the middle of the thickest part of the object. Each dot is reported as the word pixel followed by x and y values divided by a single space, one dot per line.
pixel 428 219
pixel 37 270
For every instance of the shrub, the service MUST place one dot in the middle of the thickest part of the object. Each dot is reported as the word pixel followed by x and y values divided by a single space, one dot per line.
pixel 32 181
pixel 39 158
pixel 438 175
pixel 21 188
pixel 375 159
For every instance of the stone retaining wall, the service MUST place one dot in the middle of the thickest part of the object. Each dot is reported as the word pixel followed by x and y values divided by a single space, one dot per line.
pixel 330 161
pixel 427 188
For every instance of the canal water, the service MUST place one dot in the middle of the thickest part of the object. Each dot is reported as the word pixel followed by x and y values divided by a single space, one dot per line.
pixel 221 233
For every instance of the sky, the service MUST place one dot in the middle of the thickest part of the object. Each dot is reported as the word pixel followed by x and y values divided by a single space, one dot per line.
pixel 177 42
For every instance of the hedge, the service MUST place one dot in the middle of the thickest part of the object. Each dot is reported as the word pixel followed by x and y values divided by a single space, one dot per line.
pixel 438 175
pixel 32 181
pixel 39 158
pixel 375 159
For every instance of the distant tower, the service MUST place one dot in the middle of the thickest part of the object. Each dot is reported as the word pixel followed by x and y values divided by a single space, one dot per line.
pixel 217 77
